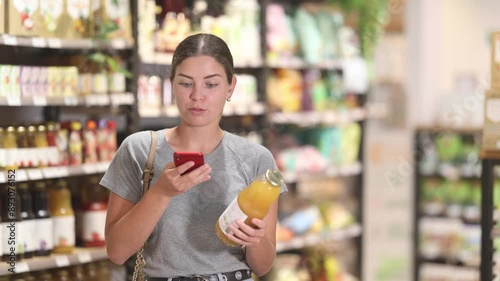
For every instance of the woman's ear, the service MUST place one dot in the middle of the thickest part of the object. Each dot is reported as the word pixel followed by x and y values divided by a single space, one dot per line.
pixel 231 87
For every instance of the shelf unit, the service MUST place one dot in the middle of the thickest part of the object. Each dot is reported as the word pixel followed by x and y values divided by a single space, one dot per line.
pixel 452 218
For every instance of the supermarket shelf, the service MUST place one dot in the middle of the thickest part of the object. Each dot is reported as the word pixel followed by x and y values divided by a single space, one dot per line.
pixel 448 272
pixel 53 172
pixel 163 60
pixel 79 256
pixel 333 171
pixel 299 63
pixel 116 99
pixel 314 118
pixel 316 239
pixel 229 110
pixel 58 43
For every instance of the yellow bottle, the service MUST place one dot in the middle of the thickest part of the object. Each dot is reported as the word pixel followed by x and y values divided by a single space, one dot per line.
pixel 252 202
pixel 10 144
pixel 63 217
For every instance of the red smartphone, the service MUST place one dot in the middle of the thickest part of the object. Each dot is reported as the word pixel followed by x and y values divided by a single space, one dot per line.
pixel 181 157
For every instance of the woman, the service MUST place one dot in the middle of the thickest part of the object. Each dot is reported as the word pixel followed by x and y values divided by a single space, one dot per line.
pixel 177 214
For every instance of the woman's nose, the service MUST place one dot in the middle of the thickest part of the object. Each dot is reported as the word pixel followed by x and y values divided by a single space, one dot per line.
pixel 197 94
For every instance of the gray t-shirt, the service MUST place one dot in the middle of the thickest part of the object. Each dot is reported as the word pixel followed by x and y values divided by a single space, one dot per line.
pixel 184 241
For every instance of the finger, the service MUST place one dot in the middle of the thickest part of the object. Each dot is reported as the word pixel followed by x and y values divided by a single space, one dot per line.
pixel 184 167
pixel 258 223
pixel 200 174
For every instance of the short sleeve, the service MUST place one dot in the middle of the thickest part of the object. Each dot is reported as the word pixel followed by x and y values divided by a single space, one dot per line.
pixel 124 175
pixel 266 161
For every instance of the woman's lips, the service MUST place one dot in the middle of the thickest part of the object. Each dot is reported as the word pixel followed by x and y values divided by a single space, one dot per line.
pixel 197 111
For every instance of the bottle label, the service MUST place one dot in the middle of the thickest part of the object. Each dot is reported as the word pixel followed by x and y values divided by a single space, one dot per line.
pixel 9 237
pixel 28 231
pixel 20 237
pixel 3 159
pixel 232 213
pixel 53 156
pixel 64 231
pixel 22 157
pixel 11 157
pixel 94 223
pixel 44 235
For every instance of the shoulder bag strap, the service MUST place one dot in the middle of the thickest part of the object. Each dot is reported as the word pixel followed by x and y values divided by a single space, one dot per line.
pixel 149 169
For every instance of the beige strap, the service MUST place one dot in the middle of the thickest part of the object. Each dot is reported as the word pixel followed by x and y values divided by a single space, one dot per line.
pixel 149 169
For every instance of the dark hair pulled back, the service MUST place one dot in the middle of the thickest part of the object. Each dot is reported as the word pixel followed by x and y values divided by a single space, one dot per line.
pixel 204 44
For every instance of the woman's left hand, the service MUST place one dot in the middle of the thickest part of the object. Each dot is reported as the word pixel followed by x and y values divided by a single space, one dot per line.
pixel 247 235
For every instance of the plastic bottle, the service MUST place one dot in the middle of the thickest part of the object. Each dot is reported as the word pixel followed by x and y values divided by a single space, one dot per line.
pixel 252 202
pixel 44 225
pixel 90 142
pixel 94 206
pixel 28 219
pixel 63 216
pixel 75 144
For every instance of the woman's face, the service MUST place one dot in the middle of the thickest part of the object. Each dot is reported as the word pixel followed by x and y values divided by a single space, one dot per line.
pixel 200 88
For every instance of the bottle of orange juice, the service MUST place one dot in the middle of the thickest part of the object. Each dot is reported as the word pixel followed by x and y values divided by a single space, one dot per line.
pixel 63 217
pixel 252 202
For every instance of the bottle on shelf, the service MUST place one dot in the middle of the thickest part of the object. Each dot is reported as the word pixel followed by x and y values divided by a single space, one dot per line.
pixel 23 152
pixel 10 144
pixel 104 271
pixel 78 273
pixel 44 275
pixel 75 144
pixel 11 224
pixel 94 206
pixel 2 149
pixel 28 218
pixel 62 275
pixel 252 202
pixel 63 216
pixel 54 157
pixel 44 225
pixel 90 142
pixel 33 151
pixel 42 146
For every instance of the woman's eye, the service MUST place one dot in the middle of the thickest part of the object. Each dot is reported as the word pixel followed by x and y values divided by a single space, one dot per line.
pixel 185 84
pixel 211 85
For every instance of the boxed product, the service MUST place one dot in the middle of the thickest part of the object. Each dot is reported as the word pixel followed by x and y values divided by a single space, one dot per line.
pixel 495 61
pixel 2 16
pixel 491 129
pixel 111 19
pixel 23 18
pixel 54 18
pixel 78 12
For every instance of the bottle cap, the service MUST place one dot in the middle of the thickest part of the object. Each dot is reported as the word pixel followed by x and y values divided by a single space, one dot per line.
pixel 274 177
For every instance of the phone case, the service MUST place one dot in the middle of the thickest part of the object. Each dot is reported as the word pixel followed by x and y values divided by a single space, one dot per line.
pixel 181 157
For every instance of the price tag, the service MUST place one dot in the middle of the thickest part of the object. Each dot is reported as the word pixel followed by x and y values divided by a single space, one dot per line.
pixel 84 257
pixel 13 101
pixel 71 100
pixel 63 172
pixel 61 261
pixel 102 100
pixel 40 101
pixel 55 43
pixel 22 267
pixel 89 169
pixel 9 40
pixel 49 172
pixel 21 175
pixel 35 174
pixel 38 42
pixel 118 44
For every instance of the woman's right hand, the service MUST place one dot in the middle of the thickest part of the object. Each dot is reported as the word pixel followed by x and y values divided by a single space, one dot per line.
pixel 171 183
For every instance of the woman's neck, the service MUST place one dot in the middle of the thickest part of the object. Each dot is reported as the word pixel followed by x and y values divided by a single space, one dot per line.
pixel 203 140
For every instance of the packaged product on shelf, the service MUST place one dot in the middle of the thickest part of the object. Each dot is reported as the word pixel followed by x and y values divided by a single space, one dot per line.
pixel 2 149
pixel 491 128
pixel 70 81
pixel 42 146
pixel 4 80
pixel 63 216
pixel 3 15
pixel 106 138
pixel 78 12
pixel 54 156
pixel 15 81
pixel 90 145
pixel 24 18
pixel 44 225
pixel 495 61
pixel 12 224
pixel 149 95
pixel 28 217
pixel 75 143
pixel 42 83
pixel 54 18
pixel 26 81
pixel 94 206
pixel 174 28
pixel 23 151
pixel 10 144
pixel 111 19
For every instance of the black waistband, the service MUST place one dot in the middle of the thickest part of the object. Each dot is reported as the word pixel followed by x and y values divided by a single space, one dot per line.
pixel 237 275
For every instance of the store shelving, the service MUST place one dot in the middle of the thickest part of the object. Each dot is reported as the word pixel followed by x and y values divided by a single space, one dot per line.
pixel 330 172
pixel 316 239
pixel 315 118
pixel 58 43
pixel 114 99
pixel 77 256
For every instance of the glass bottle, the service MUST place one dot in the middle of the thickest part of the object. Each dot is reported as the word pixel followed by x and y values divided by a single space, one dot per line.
pixel 42 146
pixel 78 273
pixel 22 147
pixel 90 142
pixel 62 275
pixel 10 144
pixel 252 202
pixel 44 225
pixel 11 224
pixel 94 206
pixel 104 271
pixel 54 157
pixel 75 144
pixel 28 219
pixel 44 276
pixel 2 149
pixel 63 216
pixel 33 151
